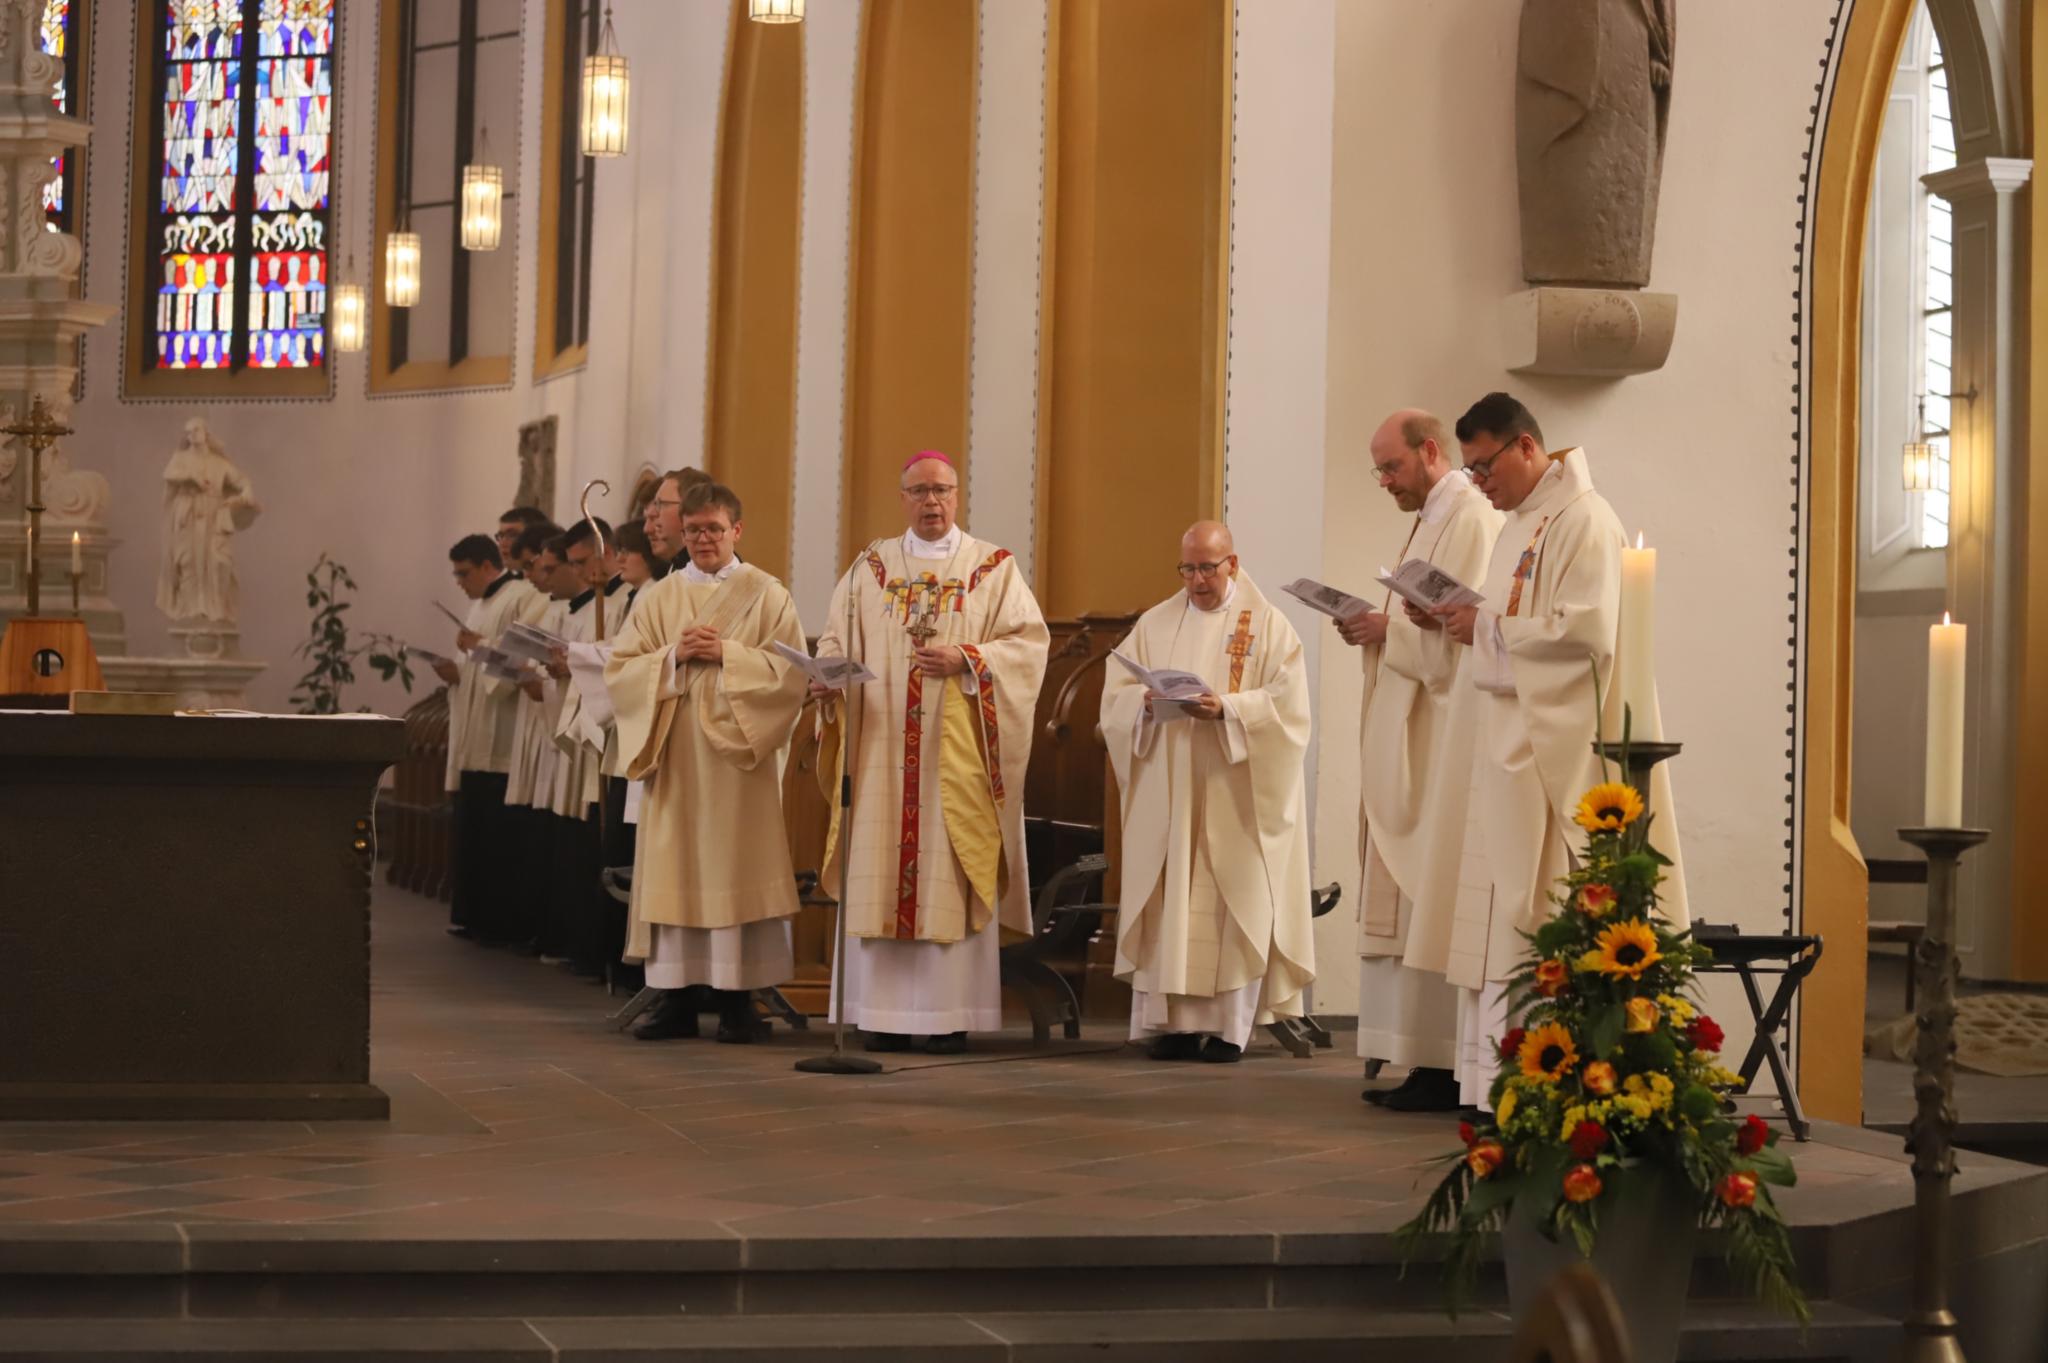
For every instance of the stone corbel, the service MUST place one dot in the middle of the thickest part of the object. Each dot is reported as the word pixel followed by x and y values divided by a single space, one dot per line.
pixel 1588 333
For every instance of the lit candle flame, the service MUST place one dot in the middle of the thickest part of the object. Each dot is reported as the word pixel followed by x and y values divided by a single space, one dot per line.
pixel 1639 539
pixel 1944 619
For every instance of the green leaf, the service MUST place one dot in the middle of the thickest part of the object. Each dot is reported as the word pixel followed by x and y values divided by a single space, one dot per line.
pixel 1773 1166
pixel 1606 1032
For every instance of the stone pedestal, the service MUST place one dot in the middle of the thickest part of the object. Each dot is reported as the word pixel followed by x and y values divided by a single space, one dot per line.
pixel 212 674
pixel 1588 333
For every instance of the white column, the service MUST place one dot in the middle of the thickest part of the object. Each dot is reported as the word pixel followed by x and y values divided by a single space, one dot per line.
pixel 41 319
pixel 1985 511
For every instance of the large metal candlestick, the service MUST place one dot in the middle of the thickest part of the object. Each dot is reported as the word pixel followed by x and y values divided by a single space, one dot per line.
pixel 1931 1328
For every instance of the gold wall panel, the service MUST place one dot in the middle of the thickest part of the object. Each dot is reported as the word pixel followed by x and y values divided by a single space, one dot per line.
pixel 757 225
pixel 1135 295
pixel 910 292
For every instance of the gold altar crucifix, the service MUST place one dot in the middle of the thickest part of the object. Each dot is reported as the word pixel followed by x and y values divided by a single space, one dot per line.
pixel 38 433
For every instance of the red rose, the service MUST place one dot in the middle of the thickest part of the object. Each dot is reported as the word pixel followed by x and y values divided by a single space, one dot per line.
pixel 1551 978
pixel 1467 1133
pixel 1512 1042
pixel 1705 1034
pixel 1753 1136
pixel 1582 1184
pixel 1588 1139
pixel 1737 1190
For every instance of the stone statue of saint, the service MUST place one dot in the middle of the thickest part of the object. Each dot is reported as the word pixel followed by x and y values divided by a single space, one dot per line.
pixel 206 499
pixel 1592 99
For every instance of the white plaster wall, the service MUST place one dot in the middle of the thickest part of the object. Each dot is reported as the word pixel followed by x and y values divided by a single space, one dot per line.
pixel 1280 279
pixel 1699 455
pixel 831 64
pixel 1009 219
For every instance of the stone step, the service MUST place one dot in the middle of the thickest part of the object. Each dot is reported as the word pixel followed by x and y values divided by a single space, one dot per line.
pixel 1714 1334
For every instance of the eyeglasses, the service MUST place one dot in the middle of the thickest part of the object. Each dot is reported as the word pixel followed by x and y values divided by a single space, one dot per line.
pixel 1483 468
pixel 1191 571
pixel 924 492
pixel 1384 472
pixel 666 501
pixel 706 532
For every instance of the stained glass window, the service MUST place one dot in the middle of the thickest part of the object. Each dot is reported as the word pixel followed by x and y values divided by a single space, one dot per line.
pixel 55 35
pixel 241 221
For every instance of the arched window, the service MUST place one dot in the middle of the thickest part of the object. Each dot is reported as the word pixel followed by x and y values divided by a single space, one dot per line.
pixel 237 107
pixel 1936 297
pixel 568 194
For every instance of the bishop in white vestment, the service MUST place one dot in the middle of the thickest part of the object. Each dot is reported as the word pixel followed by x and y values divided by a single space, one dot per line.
pixel 1523 724
pixel 950 629
pixel 1214 929
pixel 1408 1017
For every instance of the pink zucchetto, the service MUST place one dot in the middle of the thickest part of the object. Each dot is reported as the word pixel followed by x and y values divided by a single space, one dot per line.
pixel 923 455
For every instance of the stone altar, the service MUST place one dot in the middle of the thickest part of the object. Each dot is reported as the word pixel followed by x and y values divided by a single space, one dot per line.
pixel 186 933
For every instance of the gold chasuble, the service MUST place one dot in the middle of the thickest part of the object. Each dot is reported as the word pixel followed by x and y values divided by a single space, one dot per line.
pixel 1216 893
pixel 707 739
pixel 954 747
pixel 1521 731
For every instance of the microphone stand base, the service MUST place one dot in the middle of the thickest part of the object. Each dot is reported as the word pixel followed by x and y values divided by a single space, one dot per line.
pixel 838 1062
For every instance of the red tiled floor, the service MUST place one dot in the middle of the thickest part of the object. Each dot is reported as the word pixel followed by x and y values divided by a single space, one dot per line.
pixel 516 1110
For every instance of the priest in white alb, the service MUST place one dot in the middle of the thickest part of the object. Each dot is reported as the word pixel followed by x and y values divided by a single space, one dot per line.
pixel 1523 724
pixel 1409 1017
pixel 705 708
pixel 1214 930
pixel 481 717
pixel 949 627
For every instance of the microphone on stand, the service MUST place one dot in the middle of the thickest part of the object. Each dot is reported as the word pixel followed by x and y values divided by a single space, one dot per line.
pixel 839 1062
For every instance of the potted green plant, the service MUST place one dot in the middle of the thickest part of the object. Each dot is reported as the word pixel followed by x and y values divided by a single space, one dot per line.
pixel 332 649
pixel 1607 1138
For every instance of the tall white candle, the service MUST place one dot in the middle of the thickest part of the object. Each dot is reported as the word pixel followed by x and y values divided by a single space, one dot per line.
pixel 1945 650
pixel 77 556
pixel 1636 668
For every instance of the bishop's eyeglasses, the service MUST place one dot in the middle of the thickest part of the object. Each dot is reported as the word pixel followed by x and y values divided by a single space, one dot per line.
pixel 923 492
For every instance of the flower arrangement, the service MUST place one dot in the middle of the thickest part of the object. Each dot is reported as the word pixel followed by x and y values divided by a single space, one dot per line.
pixel 1613 1079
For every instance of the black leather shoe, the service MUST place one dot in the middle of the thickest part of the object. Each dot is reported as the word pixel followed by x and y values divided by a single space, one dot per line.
pixel 672 1020
pixel 1175 1046
pixel 1217 1051
pixel 737 1024
pixel 884 1041
pixel 949 1043
pixel 1425 1090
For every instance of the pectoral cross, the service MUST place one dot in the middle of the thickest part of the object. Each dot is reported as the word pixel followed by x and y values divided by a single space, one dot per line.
pixel 925 622
pixel 1239 648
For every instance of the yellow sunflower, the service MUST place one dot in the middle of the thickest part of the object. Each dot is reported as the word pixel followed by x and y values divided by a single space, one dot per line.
pixel 1609 807
pixel 1627 949
pixel 1548 1053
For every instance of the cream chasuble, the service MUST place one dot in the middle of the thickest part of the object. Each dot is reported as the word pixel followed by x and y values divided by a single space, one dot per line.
pixel 709 739
pixel 480 706
pixel 1215 894
pixel 533 751
pixel 1406 1016
pixel 937 850
pixel 1522 726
